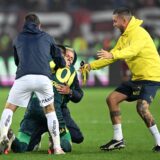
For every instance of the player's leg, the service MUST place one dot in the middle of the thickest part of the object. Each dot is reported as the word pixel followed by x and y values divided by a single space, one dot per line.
pixel 6 120
pixel 33 120
pixel 113 100
pixel 28 127
pixel 36 115
pixel 148 93
pixel 75 132
pixel 20 143
pixel 28 137
pixel 59 114
pixel 113 104
pixel 65 138
pixel 17 97
pixel 36 137
pixel 53 127
pixel 66 142
pixel 45 94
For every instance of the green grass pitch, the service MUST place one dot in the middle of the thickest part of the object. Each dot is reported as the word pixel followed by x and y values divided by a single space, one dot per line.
pixel 92 116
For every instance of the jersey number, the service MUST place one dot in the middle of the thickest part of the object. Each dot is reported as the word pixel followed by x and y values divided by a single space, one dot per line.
pixel 64 75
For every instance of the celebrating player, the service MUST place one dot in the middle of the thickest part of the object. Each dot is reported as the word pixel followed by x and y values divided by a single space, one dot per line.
pixel 33 49
pixel 137 48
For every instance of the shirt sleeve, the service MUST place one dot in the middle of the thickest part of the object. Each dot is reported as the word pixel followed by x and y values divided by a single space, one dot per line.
pixel 100 63
pixel 133 48
pixel 57 55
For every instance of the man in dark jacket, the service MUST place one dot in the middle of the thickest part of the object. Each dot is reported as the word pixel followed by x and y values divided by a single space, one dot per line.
pixel 33 50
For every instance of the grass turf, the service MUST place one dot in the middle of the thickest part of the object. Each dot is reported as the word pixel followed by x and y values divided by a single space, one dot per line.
pixel 92 116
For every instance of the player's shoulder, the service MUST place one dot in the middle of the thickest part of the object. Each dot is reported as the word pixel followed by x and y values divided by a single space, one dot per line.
pixel 15 40
pixel 48 36
pixel 142 30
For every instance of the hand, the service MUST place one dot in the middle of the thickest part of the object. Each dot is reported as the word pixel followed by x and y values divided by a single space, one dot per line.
pixel 63 89
pixel 84 70
pixel 86 67
pixel 104 54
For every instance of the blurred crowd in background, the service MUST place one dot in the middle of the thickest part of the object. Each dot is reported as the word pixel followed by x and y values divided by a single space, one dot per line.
pixel 85 25
pixel 68 5
pixel 80 11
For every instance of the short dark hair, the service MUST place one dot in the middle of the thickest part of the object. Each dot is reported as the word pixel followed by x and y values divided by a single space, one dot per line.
pixel 31 17
pixel 123 11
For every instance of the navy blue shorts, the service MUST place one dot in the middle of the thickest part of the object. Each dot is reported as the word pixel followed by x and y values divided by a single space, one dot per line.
pixel 134 90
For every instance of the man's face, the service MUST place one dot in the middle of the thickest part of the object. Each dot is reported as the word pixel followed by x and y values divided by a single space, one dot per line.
pixel 69 57
pixel 118 22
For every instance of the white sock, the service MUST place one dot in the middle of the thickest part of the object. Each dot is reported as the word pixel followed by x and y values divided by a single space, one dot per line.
pixel 155 133
pixel 117 132
pixel 53 127
pixel 6 120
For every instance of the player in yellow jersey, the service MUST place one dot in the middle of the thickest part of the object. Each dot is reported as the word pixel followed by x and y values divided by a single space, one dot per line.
pixel 137 48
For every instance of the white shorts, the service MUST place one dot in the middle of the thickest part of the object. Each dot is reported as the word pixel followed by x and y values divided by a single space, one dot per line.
pixel 23 88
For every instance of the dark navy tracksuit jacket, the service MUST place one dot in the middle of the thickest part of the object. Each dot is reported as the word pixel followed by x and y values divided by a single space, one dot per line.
pixel 33 50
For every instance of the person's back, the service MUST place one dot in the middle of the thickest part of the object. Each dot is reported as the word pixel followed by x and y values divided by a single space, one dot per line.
pixel 33 48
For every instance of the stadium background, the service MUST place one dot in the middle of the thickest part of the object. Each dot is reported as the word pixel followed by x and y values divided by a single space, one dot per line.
pixel 83 24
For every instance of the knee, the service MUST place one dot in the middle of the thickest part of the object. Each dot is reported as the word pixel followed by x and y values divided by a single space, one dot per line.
pixel 11 107
pixel 77 140
pixel 108 100
pixel 49 108
pixel 111 100
pixel 142 107
pixel 76 136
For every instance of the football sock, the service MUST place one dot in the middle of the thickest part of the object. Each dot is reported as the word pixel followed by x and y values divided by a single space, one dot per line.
pixel 6 120
pixel 155 133
pixel 53 127
pixel 117 132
